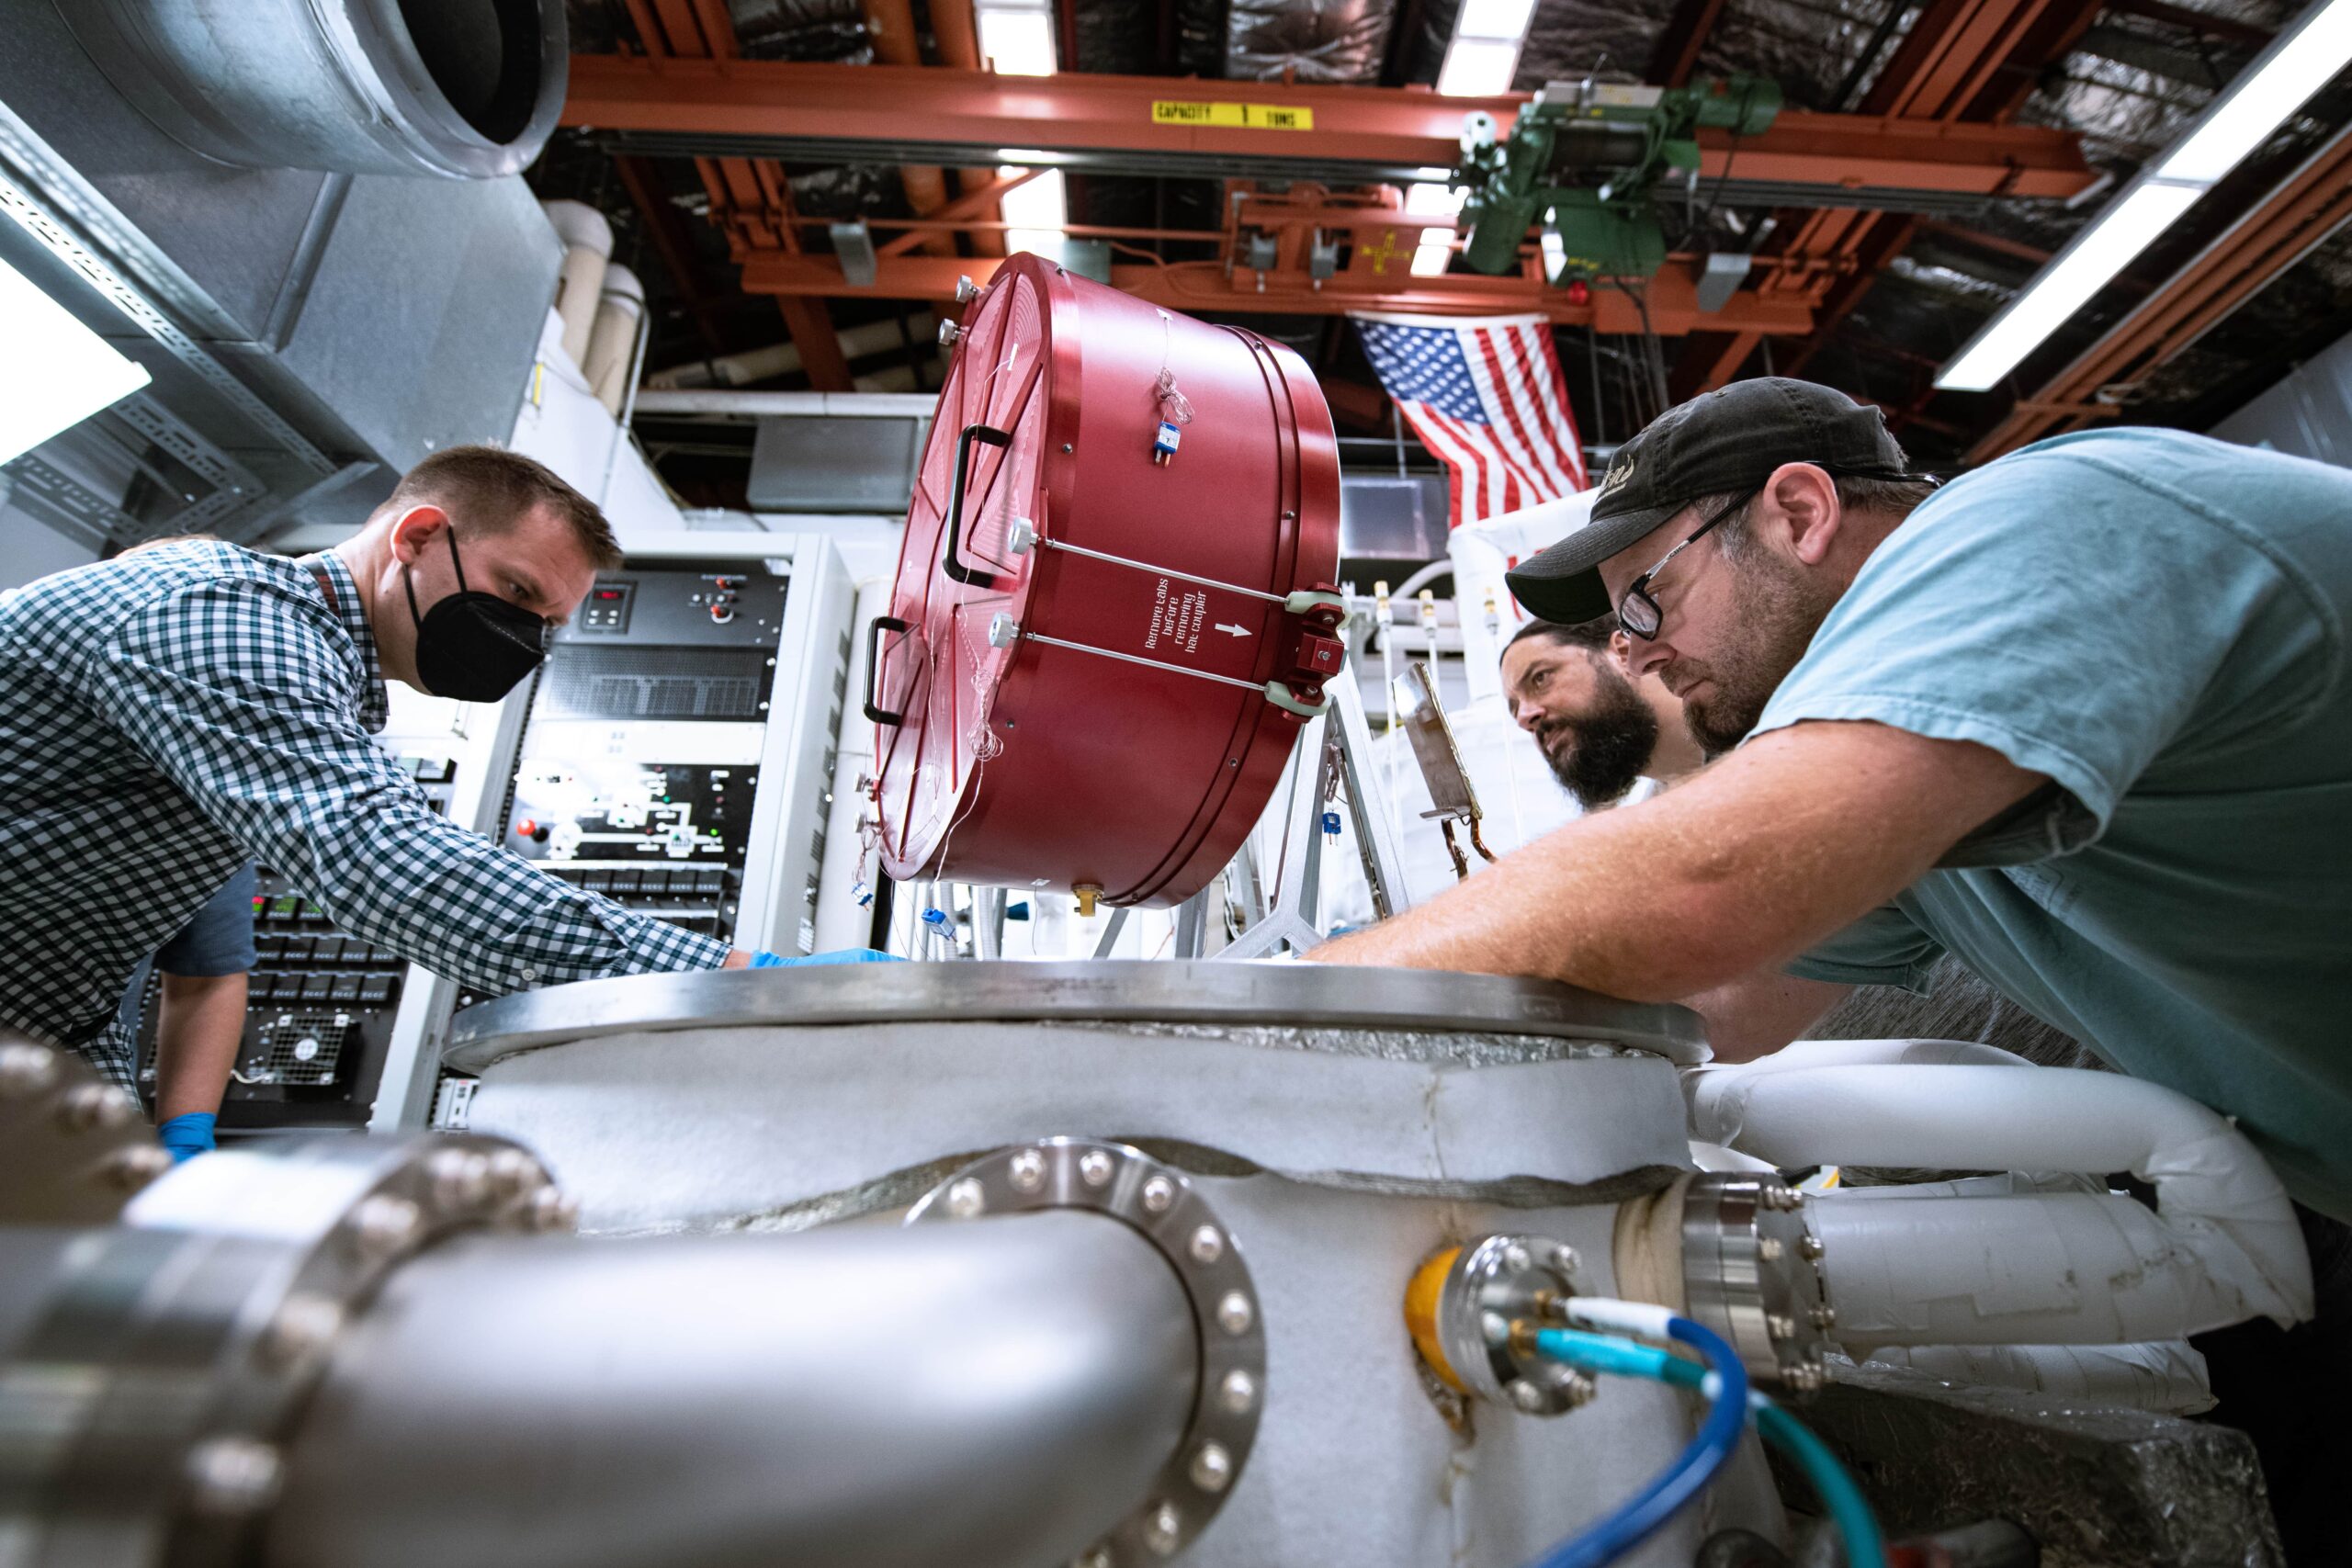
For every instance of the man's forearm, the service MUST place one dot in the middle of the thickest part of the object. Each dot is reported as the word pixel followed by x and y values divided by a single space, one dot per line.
pixel 1760 1013
pixel 1785 841
pixel 199 1022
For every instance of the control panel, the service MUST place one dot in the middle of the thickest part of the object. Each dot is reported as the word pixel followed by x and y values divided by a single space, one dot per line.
pixel 677 753
pixel 668 840
pixel 641 754
pixel 320 1004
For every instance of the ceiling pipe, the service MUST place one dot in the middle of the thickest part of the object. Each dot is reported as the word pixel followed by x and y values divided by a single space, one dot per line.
pixel 782 358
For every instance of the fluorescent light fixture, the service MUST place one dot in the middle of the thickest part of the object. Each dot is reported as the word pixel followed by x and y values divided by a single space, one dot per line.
pixel 1434 200
pixel 1478 68
pixel 1017 40
pixel 1494 18
pixel 1435 250
pixel 59 372
pixel 1039 211
pixel 2080 271
pixel 1483 55
pixel 2298 62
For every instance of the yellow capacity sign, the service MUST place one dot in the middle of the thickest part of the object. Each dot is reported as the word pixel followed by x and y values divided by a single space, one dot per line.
pixel 1252 117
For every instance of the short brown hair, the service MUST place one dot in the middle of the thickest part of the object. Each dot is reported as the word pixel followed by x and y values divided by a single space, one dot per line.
pixel 492 488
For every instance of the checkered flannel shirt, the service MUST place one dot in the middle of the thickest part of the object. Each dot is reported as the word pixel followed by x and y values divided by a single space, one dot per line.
pixel 163 718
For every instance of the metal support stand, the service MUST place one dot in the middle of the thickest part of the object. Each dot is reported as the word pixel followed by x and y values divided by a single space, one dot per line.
pixel 1341 743
pixel 1110 940
pixel 1191 923
pixel 988 922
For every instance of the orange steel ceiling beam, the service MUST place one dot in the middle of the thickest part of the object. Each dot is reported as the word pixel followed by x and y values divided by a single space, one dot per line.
pixel 976 206
pixel 890 31
pixel 2299 213
pixel 750 199
pixel 979 117
pixel 1206 285
pixel 1680 41
pixel 1951 54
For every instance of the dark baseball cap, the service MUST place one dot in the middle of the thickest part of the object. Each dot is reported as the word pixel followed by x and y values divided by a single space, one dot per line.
pixel 1722 443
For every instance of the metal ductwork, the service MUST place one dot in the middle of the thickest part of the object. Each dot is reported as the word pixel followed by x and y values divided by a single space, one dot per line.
pixel 464 89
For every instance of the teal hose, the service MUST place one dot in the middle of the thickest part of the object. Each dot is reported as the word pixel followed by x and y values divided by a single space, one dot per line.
pixel 1849 1510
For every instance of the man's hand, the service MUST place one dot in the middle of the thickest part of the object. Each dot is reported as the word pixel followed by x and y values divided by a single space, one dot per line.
pixel 1755 859
pixel 739 959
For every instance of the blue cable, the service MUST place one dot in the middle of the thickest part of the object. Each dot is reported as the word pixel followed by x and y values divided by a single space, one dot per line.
pixel 1848 1509
pixel 1675 1487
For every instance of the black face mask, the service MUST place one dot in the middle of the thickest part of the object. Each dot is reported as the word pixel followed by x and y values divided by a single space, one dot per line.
pixel 471 646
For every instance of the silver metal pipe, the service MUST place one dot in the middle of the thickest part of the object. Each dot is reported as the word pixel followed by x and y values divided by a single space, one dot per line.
pixel 464 89
pixel 1136 659
pixel 1144 566
pixel 1001 1390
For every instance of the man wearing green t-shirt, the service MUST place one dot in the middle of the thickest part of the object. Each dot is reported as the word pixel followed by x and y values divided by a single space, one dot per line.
pixel 2082 717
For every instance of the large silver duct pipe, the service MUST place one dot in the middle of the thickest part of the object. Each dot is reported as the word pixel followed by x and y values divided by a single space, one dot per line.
pixel 369 1353
pixel 467 89
pixel 1002 1391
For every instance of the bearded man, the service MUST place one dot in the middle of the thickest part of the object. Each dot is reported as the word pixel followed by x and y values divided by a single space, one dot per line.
pixel 1600 730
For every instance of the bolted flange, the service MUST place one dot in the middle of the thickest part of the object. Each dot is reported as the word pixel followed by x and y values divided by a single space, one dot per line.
pixel 250 1265
pixel 1157 1202
pixel 1465 1309
pixel 1750 1274
pixel 71 1149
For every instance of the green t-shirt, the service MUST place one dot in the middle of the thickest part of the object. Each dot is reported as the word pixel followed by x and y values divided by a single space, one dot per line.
pixel 2157 622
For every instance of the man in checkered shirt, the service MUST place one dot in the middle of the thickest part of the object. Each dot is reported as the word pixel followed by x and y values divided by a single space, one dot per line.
pixel 163 718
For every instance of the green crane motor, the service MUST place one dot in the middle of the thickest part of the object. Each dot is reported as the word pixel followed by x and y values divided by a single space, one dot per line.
pixel 1586 158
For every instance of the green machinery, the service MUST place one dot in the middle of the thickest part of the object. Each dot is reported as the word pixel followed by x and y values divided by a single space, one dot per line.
pixel 1586 158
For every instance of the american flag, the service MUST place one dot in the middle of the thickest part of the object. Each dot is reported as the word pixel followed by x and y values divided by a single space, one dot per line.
pixel 1486 395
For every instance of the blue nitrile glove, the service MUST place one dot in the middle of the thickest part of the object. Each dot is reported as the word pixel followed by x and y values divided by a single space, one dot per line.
pixel 840 955
pixel 187 1136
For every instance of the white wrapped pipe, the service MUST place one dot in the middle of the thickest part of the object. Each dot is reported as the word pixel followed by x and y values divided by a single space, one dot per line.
pixel 579 283
pixel 2048 1269
pixel 1883 1053
pixel 2168 1378
pixel 2052 1268
pixel 611 345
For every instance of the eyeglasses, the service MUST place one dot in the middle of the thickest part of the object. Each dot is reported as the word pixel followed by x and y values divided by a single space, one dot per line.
pixel 1637 612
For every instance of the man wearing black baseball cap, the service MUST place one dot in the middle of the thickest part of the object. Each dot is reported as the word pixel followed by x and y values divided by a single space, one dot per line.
pixel 2082 716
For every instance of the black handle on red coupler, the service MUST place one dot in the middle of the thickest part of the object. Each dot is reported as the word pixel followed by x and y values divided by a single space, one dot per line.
pixel 947 562
pixel 873 631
